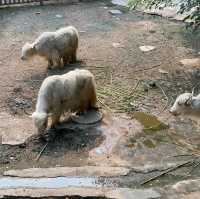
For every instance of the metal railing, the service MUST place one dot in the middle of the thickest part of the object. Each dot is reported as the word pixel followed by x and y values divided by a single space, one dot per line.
pixel 12 2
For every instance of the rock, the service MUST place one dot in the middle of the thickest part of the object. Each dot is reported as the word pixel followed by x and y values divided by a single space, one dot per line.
pixel 59 16
pixel 194 195
pixel 117 45
pixel 82 31
pixel 152 31
pixel 146 48
pixel 37 13
pixel 186 186
pixel 195 62
pixel 22 103
pixel 163 71
pixel 117 193
pixel 68 171
pixel 115 12
pixel 120 2
pixel 125 193
pixel 152 84
pixel 52 192
pixel 186 189
pixel 154 167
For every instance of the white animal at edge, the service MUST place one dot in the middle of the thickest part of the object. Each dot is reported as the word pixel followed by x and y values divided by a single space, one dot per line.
pixel 186 103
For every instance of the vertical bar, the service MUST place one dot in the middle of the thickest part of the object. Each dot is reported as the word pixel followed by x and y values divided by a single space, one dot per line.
pixel 41 2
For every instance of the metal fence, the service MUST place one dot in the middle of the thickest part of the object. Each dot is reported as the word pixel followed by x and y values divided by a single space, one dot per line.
pixel 12 2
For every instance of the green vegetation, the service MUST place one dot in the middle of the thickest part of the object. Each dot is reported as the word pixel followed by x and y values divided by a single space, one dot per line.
pixel 192 6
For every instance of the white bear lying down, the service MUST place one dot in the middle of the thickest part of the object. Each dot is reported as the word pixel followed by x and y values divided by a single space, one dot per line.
pixel 72 92
pixel 58 48
pixel 186 103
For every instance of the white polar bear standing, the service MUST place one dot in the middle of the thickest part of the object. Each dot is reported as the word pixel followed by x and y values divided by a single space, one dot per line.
pixel 58 48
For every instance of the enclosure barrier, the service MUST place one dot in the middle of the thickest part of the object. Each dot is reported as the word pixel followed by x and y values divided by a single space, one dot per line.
pixel 12 2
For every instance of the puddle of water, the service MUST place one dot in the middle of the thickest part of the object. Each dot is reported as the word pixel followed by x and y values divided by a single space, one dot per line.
pixel 150 122
pixel 113 128
pixel 58 182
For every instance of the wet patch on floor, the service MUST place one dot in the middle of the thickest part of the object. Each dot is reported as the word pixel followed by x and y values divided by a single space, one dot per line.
pixel 72 144
pixel 149 122
pixel 53 183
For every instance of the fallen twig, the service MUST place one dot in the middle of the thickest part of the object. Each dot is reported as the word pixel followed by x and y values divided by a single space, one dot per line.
pixel 165 97
pixel 105 105
pixel 145 69
pixel 167 171
pixel 135 87
pixel 181 155
pixel 195 166
pixel 39 155
pixel 103 60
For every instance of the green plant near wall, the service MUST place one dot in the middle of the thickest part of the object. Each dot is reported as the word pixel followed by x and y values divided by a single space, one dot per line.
pixel 192 6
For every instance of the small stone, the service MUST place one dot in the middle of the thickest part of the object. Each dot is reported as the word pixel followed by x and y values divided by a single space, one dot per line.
pixel 195 62
pixel 59 16
pixel 120 2
pixel 99 151
pixel 117 45
pixel 22 146
pixel 146 48
pixel 152 31
pixel 163 71
pixel 17 89
pixel 152 84
pixel 115 12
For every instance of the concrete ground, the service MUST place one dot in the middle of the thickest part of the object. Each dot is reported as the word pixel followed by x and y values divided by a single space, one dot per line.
pixel 135 90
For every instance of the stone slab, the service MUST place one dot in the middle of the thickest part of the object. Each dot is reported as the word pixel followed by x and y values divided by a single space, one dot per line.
pixel 15 130
pixel 69 171
pixel 195 62
pixel 118 193
pixel 146 48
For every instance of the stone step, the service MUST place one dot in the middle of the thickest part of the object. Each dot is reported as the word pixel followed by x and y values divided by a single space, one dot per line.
pixel 85 171
pixel 114 193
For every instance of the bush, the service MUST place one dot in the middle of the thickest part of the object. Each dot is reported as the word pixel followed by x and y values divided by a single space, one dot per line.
pixel 192 6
